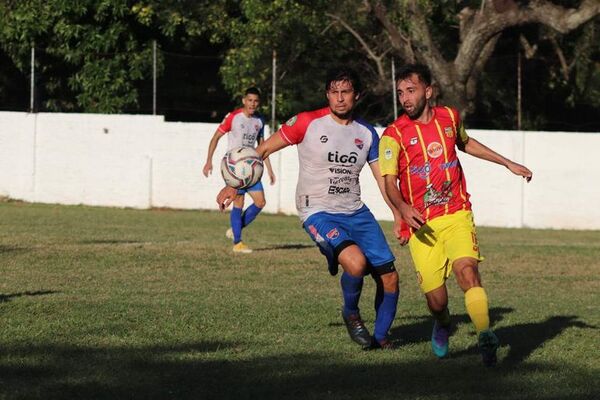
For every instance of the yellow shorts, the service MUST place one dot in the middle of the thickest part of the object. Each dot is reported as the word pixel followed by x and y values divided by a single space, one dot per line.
pixel 437 244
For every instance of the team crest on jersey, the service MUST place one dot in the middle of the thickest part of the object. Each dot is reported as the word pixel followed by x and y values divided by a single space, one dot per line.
pixel 332 234
pixel 388 154
pixel 434 149
pixel 292 121
pixel 449 131
pixel 413 141
pixel 359 143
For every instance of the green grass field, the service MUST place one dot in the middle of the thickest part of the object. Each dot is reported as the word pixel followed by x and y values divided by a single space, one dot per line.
pixel 109 303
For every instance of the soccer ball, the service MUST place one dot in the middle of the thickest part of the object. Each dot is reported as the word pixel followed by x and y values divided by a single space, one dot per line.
pixel 241 167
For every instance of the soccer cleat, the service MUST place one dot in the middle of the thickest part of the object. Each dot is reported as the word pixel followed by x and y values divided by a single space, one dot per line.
pixel 439 340
pixel 488 344
pixel 229 233
pixel 384 344
pixel 357 329
pixel 240 247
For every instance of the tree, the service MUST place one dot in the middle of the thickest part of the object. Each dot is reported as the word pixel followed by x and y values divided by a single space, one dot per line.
pixel 410 31
pixel 92 54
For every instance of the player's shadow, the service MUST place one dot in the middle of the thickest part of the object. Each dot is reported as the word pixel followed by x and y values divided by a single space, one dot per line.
pixel 8 297
pixel 420 331
pixel 289 246
pixel 523 339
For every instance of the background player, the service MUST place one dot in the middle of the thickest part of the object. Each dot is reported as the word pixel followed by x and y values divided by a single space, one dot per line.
pixel 333 147
pixel 419 150
pixel 246 128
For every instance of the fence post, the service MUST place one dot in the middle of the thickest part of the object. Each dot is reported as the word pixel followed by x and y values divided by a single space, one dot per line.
pixel 32 83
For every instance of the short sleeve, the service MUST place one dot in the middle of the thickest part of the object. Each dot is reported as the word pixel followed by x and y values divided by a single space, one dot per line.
pixel 294 129
pixel 225 126
pixel 261 132
pixel 461 134
pixel 389 152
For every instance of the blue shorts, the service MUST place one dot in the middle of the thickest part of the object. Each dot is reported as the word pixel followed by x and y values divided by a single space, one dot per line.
pixel 334 232
pixel 257 187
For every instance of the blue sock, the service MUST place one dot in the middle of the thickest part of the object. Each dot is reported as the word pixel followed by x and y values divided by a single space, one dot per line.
pixel 250 214
pixel 385 315
pixel 236 224
pixel 351 289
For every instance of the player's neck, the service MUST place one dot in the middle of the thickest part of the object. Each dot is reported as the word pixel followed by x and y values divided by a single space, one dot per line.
pixel 426 115
pixel 247 113
pixel 345 120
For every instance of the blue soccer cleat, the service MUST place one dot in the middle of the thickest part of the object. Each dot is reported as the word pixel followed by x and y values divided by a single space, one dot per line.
pixel 439 340
pixel 488 344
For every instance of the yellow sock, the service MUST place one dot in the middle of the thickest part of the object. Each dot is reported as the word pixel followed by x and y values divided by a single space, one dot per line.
pixel 476 302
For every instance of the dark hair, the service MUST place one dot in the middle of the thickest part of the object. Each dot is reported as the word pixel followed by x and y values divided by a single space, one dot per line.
pixel 343 73
pixel 252 90
pixel 420 70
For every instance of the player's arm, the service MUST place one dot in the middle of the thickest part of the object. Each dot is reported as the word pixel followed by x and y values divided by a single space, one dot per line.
pixel 381 184
pixel 267 163
pixel 408 213
pixel 479 150
pixel 212 146
pixel 389 153
pixel 264 150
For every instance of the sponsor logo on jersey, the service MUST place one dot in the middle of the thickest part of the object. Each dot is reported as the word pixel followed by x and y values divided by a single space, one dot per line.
pixel 292 121
pixel 340 171
pixel 324 139
pixel 359 143
pixel 434 149
pixel 413 141
pixel 448 165
pixel 421 170
pixel 351 158
pixel 449 131
pixel 338 190
pixel 341 180
pixel 435 197
pixel 388 154
pixel 333 234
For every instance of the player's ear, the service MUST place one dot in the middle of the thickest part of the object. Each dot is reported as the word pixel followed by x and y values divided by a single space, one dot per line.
pixel 428 92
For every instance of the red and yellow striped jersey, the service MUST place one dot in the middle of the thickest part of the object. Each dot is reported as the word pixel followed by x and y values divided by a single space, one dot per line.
pixel 424 158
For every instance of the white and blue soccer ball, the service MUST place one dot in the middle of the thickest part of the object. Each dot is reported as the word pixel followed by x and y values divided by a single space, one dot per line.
pixel 241 167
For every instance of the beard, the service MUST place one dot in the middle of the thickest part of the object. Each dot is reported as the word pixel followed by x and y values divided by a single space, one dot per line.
pixel 418 110
pixel 343 116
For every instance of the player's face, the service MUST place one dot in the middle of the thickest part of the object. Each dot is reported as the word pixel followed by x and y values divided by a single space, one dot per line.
pixel 413 95
pixel 251 103
pixel 342 98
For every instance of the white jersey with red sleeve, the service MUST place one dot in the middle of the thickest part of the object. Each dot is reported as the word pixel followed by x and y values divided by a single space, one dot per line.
pixel 331 156
pixel 243 130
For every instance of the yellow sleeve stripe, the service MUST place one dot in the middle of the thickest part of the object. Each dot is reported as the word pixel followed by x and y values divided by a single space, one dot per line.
pixel 389 151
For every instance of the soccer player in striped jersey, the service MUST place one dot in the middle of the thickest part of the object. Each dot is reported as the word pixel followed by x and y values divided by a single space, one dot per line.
pixel 244 127
pixel 425 181
pixel 333 147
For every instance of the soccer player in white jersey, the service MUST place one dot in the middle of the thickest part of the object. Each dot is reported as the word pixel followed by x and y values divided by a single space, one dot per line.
pixel 333 146
pixel 245 127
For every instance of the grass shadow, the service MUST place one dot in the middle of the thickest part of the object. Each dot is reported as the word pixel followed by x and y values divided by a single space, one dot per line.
pixel 221 370
pixel 290 246
pixel 8 297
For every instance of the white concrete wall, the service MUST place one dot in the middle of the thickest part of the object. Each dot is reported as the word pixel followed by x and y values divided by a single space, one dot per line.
pixel 141 161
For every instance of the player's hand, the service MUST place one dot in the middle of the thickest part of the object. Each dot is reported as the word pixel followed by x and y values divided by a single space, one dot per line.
pixel 207 169
pixel 272 178
pixel 411 216
pixel 400 235
pixel 520 170
pixel 226 197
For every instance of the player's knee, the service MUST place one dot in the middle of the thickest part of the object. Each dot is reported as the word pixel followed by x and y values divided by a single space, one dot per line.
pixel 260 203
pixel 388 276
pixel 468 276
pixel 353 260
pixel 437 304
